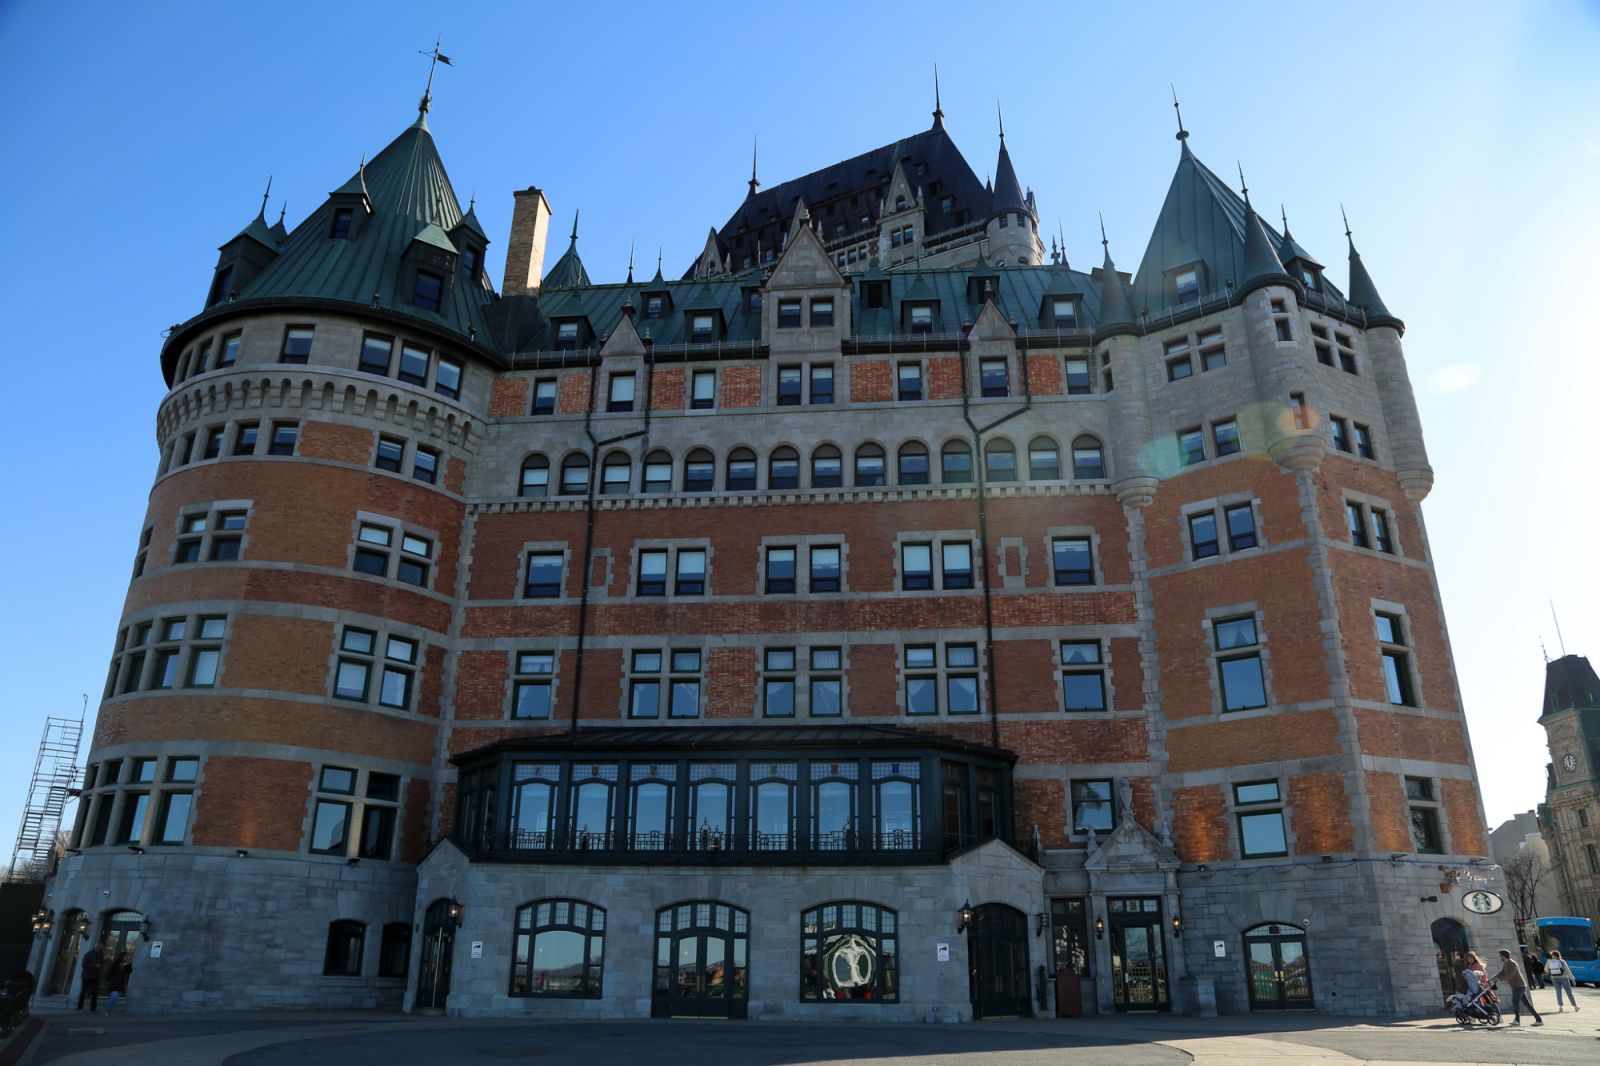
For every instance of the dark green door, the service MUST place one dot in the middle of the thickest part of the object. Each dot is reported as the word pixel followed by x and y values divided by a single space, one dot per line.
pixel 997 945
pixel 1277 972
pixel 1138 956
pixel 702 961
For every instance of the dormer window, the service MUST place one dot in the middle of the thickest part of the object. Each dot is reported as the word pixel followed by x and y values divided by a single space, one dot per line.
pixel 1066 312
pixel 788 314
pixel 469 263
pixel 342 218
pixel 922 318
pixel 1186 286
pixel 874 294
pixel 822 312
pixel 702 327
pixel 899 203
pixel 652 307
pixel 1308 276
pixel 566 336
pixel 752 301
pixel 427 291
pixel 219 287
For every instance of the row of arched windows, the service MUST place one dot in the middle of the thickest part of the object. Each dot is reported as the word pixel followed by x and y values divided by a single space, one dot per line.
pixel 659 473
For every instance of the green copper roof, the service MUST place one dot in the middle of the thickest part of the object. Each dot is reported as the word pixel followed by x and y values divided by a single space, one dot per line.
pixel 1007 190
pixel 568 273
pixel 411 198
pixel 1363 293
pixel 1116 306
pixel 470 221
pixel 258 231
pixel 1261 265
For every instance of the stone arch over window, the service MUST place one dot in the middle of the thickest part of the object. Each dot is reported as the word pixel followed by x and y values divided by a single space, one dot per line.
pixel 616 474
pixel 955 463
pixel 783 468
pixel 1000 460
pixel 657 471
pixel 535 479
pixel 1044 459
pixel 741 474
pixel 870 470
pixel 575 475
pixel 827 467
pixel 849 952
pixel 1088 457
pixel 699 471
pixel 558 949
pixel 911 463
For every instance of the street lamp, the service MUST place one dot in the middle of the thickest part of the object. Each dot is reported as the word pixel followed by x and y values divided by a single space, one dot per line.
pixel 964 916
pixel 43 919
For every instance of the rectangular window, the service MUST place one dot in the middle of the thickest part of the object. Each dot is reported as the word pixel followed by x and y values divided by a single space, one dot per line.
pixel 447 379
pixel 1426 838
pixel 961 678
pixel 245 437
pixel 620 396
pixel 789 386
pixel 778 683
pixel 652 307
pixel 391 453
pixel 1065 309
pixel 956 564
pixel 909 381
pixel 702 328
pixel 788 314
pixel 1260 820
pixel 1092 807
pixel 544 575
pixel 994 377
pixel 1186 286
pixel 1203 541
pixel 544 396
pixel 376 353
pixel 1083 682
pixel 1356 522
pixel 1191 446
pixel 821 312
pixel 1364 441
pixel 1239 674
pixel 414 364
pixel 1178 369
pixel 229 355
pixel 1347 356
pixel 703 391
pixel 531 689
pixel 285 436
pixel 1340 429
pixel 822 383
pixel 1073 560
pixel 1225 435
pixel 652 573
pixel 1078 378
pixel 827 686
pixel 780 570
pixel 1213 355
pixel 825 571
pixel 425 465
pixel 296 344
pixel 1380 531
pixel 922 680
pixel 916 566
pixel 1396 660
pixel 1241 521
pixel 690 579
pixel 428 291
pixel 922 318
pixel 339 230
pixel 211 446
pixel 1298 409
pixel 1324 354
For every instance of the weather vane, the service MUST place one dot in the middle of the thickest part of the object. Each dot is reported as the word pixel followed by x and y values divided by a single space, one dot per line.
pixel 437 57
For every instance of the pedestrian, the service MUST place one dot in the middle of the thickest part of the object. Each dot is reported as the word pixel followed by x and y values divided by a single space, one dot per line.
pixel 1511 974
pixel 91 978
pixel 1535 968
pixel 121 970
pixel 1560 974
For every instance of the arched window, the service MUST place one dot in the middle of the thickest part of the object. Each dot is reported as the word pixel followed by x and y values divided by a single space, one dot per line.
pixel 650 794
pixel 741 470
pixel 955 463
pixel 869 466
pixel 1087 459
pixel 533 805
pixel 394 951
pixel 657 472
pixel 783 469
pixel 559 949
pixel 616 475
pixel 535 476
pixel 699 471
pixel 849 953
pixel 1000 461
pixel 913 464
pixel 345 942
pixel 1044 460
pixel 575 475
pixel 827 468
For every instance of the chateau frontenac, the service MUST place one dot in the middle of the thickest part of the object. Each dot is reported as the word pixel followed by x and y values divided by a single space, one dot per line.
pixel 885 619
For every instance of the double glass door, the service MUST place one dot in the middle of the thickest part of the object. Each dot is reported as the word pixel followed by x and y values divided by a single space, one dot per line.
pixel 702 961
pixel 1279 978
pixel 120 937
pixel 1138 956
pixel 438 951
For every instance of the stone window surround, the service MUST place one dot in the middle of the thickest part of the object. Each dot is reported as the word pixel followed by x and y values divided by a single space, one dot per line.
pixel 396 548
pixel 358 800
pixel 211 510
pixel 672 545
pixel 1276 316
pixel 1087 774
pixel 1218 506
pixel 1436 804
pixel 117 681
pixel 118 793
pixel 1368 503
pixel 408 459
pixel 939 640
pixel 935 539
pixel 1207 625
pixel 543 547
pixel 801 676
pixel 1053 533
pixel 553 678
pixel 1283 806
pixel 1107 680
pixel 802 545
pixel 1376 607
pixel 666 646
pixel 376 662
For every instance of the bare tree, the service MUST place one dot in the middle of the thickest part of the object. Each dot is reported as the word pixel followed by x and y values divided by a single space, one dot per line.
pixel 1523 872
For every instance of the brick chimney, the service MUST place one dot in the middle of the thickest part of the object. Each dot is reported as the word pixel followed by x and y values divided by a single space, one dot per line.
pixel 530 225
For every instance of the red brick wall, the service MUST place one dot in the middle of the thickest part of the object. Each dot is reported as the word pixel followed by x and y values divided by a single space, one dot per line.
pixel 328 440
pixel 573 398
pixel 871 381
pixel 1321 814
pixel 1045 375
pixel 252 803
pixel 1468 835
pixel 1233 742
pixel 509 398
pixel 944 378
pixel 741 386
pixel 1041 803
pixel 666 391
pixel 1200 826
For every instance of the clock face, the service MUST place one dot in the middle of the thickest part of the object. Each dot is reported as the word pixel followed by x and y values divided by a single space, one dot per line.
pixel 1570 761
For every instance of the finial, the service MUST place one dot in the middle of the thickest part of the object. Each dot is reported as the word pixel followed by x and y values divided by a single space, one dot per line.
pixel 1002 120
pixel 264 196
pixel 1285 215
pixel 938 107
pixel 427 92
pixel 574 226
pixel 658 259
pixel 630 262
pixel 1243 188
pixel 1346 223
pixel 754 150
pixel 1183 134
pixel 1062 233
pixel 283 211
pixel 1103 242
pixel 472 201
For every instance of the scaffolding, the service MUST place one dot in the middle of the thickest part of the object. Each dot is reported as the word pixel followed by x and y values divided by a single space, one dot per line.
pixel 55 779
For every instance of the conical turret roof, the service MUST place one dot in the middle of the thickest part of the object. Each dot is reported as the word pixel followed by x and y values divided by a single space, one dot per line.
pixel 1116 305
pixel 568 273
pixel 1007 190
pixel 258 231
pixel 1261 263
pixel 1364 294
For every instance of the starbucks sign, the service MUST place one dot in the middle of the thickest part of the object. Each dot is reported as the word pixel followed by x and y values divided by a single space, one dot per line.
pixel 1481 901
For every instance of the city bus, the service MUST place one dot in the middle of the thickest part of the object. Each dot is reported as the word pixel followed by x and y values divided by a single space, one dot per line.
pixel 1574 938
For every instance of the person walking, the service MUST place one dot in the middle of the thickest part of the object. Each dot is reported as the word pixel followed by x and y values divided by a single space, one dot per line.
pixel 1533 967
pixel 1560 974
pixel 91 978
pixel 121 970
pixel 1511 974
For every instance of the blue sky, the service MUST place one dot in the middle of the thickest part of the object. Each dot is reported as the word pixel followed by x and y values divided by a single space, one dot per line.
pixel 1463 139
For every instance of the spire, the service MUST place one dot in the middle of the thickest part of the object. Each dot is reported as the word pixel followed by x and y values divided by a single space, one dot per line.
pixel 755 184
pixel 1261 263
pixel 1363 293
pixel 1007 190
pixel 1288 248
pixel 658 276
pixel 568 273
pixel 1002 120
pixel 264 196
pixel 279 230
pixel 630 262
pixel 938 108
pixel 1116 309
pixel 1062 233
pixel 427 92
pixel 1183 134
pixel 575 227
pixel 1244 190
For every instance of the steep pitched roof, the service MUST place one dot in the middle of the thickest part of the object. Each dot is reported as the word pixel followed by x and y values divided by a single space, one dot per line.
pixel 1364 294
pixel 568 273
pixel 1201 220
pixel 1116 306
pixel 1007 190
pixel 855 188
pixel 1569 682
pixel 1261 264
pixel 411 197
pixel 258 231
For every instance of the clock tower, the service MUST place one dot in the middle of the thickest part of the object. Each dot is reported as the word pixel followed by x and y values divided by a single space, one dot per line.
pixel 1570 815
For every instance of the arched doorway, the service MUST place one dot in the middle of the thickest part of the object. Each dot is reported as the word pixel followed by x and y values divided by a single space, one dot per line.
pixel 702 961
pixel 997 949
pixel 438 951
pixel 1276 969
pixel 121 933
pixel 64 963
pixel 1450 951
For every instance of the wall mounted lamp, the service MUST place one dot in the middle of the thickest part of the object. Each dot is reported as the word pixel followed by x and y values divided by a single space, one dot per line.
pixel 456 911
pixel 1177 925
pixel 1099 927
pixel 1044 923
pixel 964 916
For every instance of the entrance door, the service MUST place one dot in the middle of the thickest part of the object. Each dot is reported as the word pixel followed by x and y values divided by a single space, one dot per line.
pixel 121 933
pixel 702 961
pixel 997 945
pixel 1276 969
pixel 65 964
pixel 1138 956
pixel 438 951
pixel 1449 951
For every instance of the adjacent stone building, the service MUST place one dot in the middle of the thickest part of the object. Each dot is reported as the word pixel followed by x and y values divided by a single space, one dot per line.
pixel 879 621
pixel 1569 815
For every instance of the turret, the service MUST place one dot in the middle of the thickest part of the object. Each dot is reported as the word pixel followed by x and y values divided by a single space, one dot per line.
pixel 245 256
pixel 1116 341
pixel 1012 226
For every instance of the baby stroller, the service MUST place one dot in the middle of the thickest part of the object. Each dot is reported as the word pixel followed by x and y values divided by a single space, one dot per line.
pixel 1480 1009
